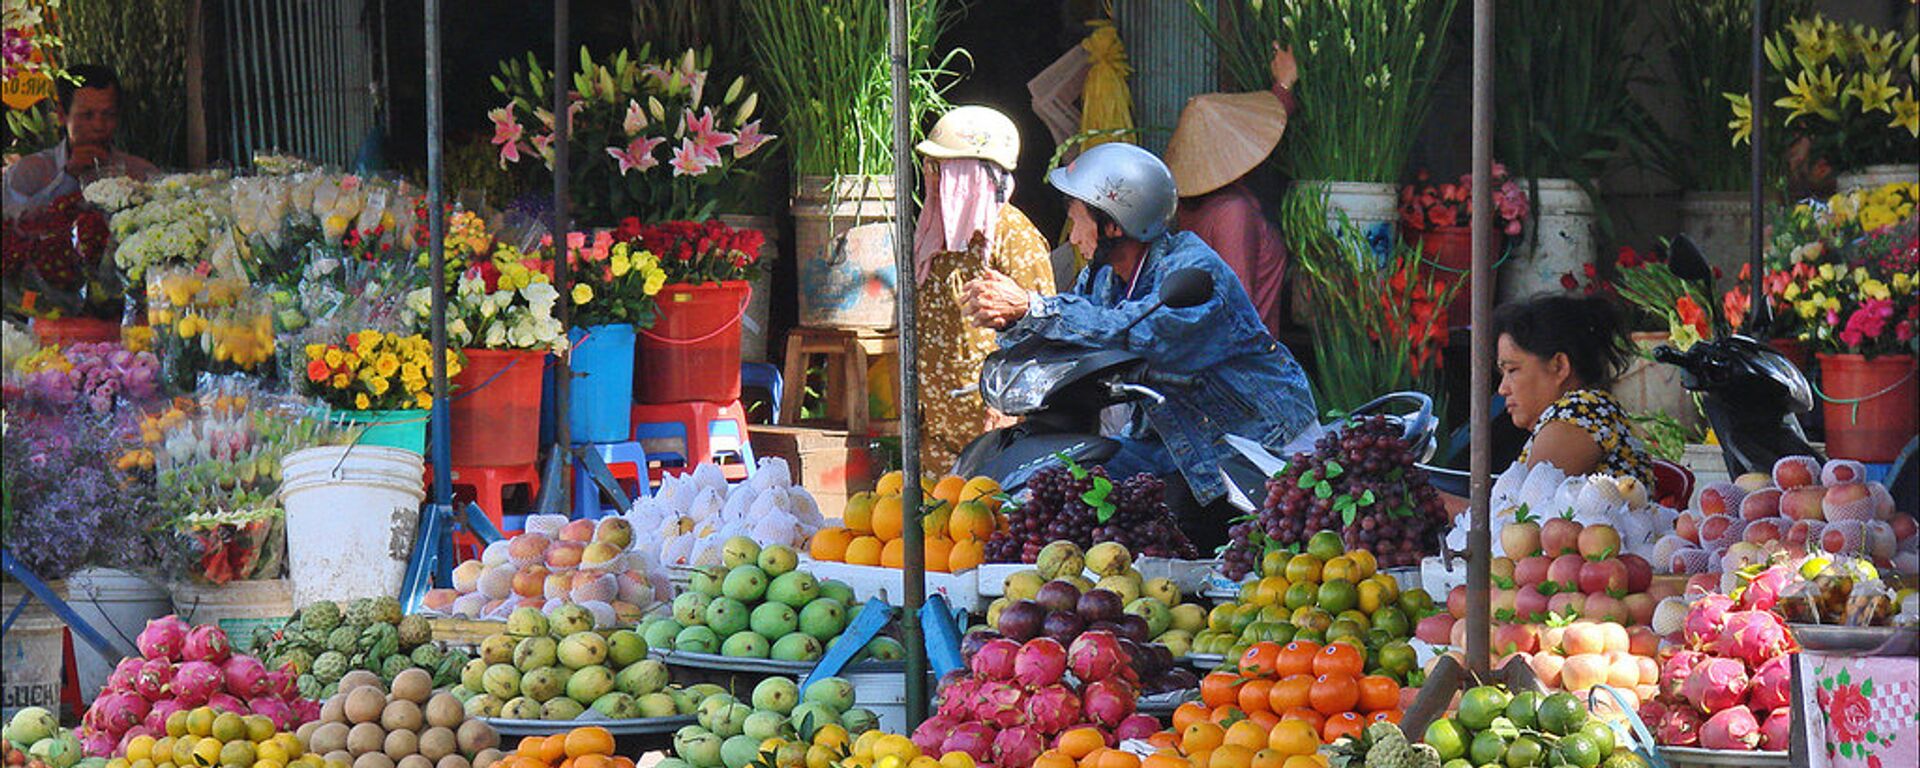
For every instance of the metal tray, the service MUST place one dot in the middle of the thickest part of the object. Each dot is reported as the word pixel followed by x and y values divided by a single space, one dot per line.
pixel 1201 660
pixel 1687 757
pixel 1861 641
pixel 638 727
pixel 1163 704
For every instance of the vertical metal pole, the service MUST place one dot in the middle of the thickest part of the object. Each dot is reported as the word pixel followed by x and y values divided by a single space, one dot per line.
pixel 436 237
pixel 310 80
pixel 249 99
pixel 386 78
pixel 236 103
pixel 268 105
pixel 1757 307
pixel 916 556
pixel 562 223
pixel 1479 537
pixel 336 95
pixel 278 74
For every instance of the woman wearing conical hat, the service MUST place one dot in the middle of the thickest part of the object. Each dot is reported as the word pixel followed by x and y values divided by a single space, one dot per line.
pixel 1220 139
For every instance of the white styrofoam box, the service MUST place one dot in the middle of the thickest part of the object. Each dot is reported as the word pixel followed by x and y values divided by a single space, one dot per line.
pixel 1437 579
pixel 961 590
pixel 1407 578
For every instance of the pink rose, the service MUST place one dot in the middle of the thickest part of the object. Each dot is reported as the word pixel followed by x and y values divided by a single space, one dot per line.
pixel 1849 712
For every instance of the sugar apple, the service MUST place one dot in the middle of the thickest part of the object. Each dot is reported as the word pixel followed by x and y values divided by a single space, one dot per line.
pixel 263 637
pixel 426 655
pixel 414 630
pixel 309 686
pixel 300 658
pixel 393 666
pixel 329 667
pixel 379 641
pixel 323 615
pixel 386 609
pixel 360 613
pixel 344 639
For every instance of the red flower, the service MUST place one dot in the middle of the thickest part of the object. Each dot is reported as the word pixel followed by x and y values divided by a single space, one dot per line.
pixel 1567 282
pixel 1692 314
pixel 1849 712
pixel 1630 258
pixel 317 370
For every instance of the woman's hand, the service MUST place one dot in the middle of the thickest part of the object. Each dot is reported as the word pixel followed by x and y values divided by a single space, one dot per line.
pixel 1285 70
pixel 994 300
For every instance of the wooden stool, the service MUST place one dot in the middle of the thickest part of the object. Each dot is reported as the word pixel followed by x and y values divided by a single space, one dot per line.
pixel 848 352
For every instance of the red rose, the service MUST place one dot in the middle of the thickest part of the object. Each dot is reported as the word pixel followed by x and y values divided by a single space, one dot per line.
pixel 1849 713
pixel 1567 282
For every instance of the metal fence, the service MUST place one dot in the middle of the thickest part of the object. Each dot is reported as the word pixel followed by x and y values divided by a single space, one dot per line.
pixel 303 76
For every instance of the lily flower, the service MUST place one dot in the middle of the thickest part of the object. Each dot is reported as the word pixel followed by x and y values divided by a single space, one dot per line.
pixel 749 139
pixel 638 155
pixel 688 161
pixel 636 120
pixel 707 141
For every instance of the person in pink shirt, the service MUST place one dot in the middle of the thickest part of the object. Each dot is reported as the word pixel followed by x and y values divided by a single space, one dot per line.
pixel 1220 139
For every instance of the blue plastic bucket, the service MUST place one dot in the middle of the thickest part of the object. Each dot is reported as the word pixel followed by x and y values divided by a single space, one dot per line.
pixel 601 400
pixel 406 430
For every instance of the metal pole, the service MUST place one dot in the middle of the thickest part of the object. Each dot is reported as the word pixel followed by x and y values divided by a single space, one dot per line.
pixel 436 236
pixel 234 70
pixel 915 561
pixel 1757 306
pixel 1479 538
pixel 562 223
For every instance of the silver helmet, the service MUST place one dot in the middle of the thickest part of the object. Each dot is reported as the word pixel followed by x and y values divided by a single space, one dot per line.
pixel 1127 182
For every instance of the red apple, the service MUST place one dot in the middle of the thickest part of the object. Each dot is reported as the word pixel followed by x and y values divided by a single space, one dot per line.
pixel 1597 541
pixel 1641 641
pixel 1436 629
pixel 1457 601
pixel 1457 636
pixel 1560 535
pixel 1604 607
pixel 1565 571
pixel 1501 570
pixel 1520 539
pixel 1803 503
pixel 1528 603
pixel 1531 570
pixel 1639 572
pixel 1501 600
pixel 1640 607
pixel 1762 503
pixel 1514 638
pixel 1608 576
pixel 1661 590
pixel 1558 604
pixel 1795 471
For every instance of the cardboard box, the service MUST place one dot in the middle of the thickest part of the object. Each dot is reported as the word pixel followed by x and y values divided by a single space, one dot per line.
pixel 829 463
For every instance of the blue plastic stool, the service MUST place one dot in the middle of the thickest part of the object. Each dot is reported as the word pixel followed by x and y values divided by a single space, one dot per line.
pixel 764 376
pixel 724 435
pixel 625 461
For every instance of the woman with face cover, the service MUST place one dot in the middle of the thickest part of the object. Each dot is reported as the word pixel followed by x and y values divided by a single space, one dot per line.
pixel 967 226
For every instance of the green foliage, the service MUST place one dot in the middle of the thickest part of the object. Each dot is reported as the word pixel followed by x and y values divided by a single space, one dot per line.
pixel 1665 437
pixel 474 166
pixel 1564 70
pixel 146 43
pixel 1707 44
pixel 33 129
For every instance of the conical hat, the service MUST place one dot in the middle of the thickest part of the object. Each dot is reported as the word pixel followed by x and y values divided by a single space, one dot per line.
pixel 1222 136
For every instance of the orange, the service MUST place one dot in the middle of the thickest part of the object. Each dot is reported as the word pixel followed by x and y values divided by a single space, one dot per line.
pixel 1220 688
pixel 1343 725
pixel 1053 758
pixel 1225 714
pixel 1339 659
pixel 894 553
pixel 1260 660
pixel 830 545
pixel 1289 692
pixel 1247 733
pixel 1378 692
pixel 530 746
pixel 1305 715
pixel 1294 737
pixel 1114 758
pixel 1080 742
pixel 1333 694
pixel 1165 758
pixel 622 761
pixel 1304 761
pixel 1296 658
pixel 554 748
pixel 1253 696
pixel 887 523
pixel 592 761
pixel 1232 756
pixel 981 489
pixel 889 484
pixel 567 763
pixel 864 550
pixel 967 554
pixel 970 520
pixel 1201 759
pixel 949 488
pixel 1386 716
pixel 1268 758
pixel 1188 714
pixel 1164 740
pixel 589 740
pixel 859 513
pixel 1263 718
pixel 1202 736
pixel 938 550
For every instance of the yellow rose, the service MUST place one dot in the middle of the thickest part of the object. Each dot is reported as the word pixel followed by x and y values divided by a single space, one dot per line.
pixel 620 264
pixel 314 351
pixel 582 293
pixel 378 386
pixel 361 402
pixel 334 357
pixel 340 381
pixel 423 400
pixel 387 363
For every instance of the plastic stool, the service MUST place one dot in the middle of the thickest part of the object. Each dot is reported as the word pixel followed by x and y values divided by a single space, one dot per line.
pixel 489 486
pixel 700 427
pixel 625 461
pixel 764 376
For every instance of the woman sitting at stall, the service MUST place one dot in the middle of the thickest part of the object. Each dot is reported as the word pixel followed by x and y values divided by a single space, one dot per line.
pixel 1557 354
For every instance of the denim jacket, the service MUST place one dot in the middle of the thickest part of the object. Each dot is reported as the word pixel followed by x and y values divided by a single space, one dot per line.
pixel 1248 383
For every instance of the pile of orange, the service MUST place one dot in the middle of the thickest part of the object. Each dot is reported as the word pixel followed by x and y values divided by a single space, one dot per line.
pixel 959 516
pixel 585 747
pixel 1295 697
pixel 1087 748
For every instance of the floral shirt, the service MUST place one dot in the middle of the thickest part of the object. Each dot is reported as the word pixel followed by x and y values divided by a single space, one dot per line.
pixel 1600 416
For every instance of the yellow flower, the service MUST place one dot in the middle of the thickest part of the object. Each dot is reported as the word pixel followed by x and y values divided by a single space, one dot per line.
pixel 1902 281
pixel 1875 49
pixel 334 357
pixel 582 293
pixel 1906 113
pixel 1874 93
pixel 1874 289
pixel 1791 292
pixel 1742 122
pixel 314 351
pixel 1813 42
pixel 656 280
pixel 378 386
pixel 340 381
pixel 423 401
pixel 620 264
pixel 361 402
pixel 386 364
pixel 1811 94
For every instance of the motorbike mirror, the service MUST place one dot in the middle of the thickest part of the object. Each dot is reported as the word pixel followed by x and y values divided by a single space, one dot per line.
pixel 1188 287
pixel 1687 262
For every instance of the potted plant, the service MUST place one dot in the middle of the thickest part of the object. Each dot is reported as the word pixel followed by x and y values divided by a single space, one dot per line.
pixel 826 65
pixel 1438 218
pixel 693 352
pixel 614 290
pixel 55 268
pixel 380 382
pixel 1364 63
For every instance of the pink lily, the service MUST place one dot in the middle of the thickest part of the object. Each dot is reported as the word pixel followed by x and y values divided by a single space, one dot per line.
pixel 636 120
pixel 544 144
pixel 707 141
pixel 749 139
pixel 687 160
pixel 506 134
pixel 638 156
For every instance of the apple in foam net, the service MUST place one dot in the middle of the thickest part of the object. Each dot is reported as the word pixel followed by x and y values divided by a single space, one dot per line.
pixel 564 554
pixel 1687 526
pixel 1795 471
pixel 1753 481
pixel 530 581
pixel 1720 499
pixel 1559 535
pixel 1763 531
pixel 1761 504
pixel 1803 503
pixel 579 531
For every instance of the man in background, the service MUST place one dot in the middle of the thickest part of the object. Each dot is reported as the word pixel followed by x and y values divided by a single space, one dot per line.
pixel 89 113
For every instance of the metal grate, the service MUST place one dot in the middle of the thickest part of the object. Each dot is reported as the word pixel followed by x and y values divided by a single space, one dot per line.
pixel 302 78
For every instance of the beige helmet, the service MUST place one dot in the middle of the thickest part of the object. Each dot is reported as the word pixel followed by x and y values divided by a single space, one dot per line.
pixel 974 131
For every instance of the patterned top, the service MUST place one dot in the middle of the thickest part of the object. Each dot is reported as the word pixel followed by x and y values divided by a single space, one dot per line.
pixel 1596 412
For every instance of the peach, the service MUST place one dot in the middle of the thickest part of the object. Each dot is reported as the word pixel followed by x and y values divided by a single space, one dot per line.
pixel 527 548
pixel 1615 636
pixel 466 576
pixel 530 581
pixel 1795 471
pixel 1547 667
pixel 1760 504
pixel 1457 635
pixel 1559 535
pixel 1622 670
pixel 1721 498
pixel 564 555
pixel 1583 637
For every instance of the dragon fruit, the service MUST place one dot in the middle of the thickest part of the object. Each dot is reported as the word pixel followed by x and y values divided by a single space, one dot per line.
pixel 246 677
pixel 157 716
pixel 957 698
pixel 1764 590
pixel 121 678
pixel 152 679
pixel 1676 726
pixel 1108 702
pixel 1753 637
pixel 994 661
pixel 974 739
pixel 114 713
pixel 1051 709
pixel 164 638
pixel 1041 662
pixel 1136 727
pixel 227 702
pixel 1776 730
pixel 1771 685
pixel 933 733
pixel 1017 747
pixel 1704 620
pixel 207 643
pixel 306 710
pixel 128 737
pixel 277 710
pixel 1679 666
pixel 1096 656
pixel 1716 684
pixel 195 682
pixel 282 683
pixel 96 743
pixel 1000 705
pixel 1731 728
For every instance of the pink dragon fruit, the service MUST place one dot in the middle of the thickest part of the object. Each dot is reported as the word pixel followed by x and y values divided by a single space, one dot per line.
pixel 1051 709
pixel 152 679
pixel 121 678
pixel 1000 705
pixel 1704 619
pixel 1042 661
pixel 1771 685
pixel 128 737
pixel 1731 728
pixel 1018 746
pixel 1136 727
pixel 157 716
pixel 1716 684
pixel 282 683
pixel 932 734
pixel 1764 590
pixel 114 713
pixel 246 676
pixel 164 638
pixel 1096 656
pixel 1753 637
pixel 207 643
pixel 227 702
pixel 305 710
pixel 1776 730
pixel 975 739
pixel 274 709
pixel 958 698
pixel 1675 672
pixel 1677 727
pixel 96 743
pixel 994 661
pixel 195 682
pixel 1108 702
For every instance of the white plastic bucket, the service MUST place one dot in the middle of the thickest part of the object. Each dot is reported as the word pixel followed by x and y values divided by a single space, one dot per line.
pixel 352 515
pixel 1721 223
pixel 31 652
pixel 1366 204
pixel 1558 240
pixel 1872 176
pixel 236 607
pixel 117 604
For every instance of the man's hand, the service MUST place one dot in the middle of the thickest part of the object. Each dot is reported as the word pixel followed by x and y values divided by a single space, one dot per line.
pixel 994 300
pixel 1285 71
pixel 83 159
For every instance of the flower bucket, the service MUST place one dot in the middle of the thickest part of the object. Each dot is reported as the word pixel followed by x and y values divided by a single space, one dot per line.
pixel 117 603
pixel 843 251
pixel 32 648
pixel 753 336
pixel 352 516
pixel 1448 252
pixel 1367 205
pixel 600 402
pixel 1868 405
pixel 75 330
pixel 1795 351
pixel 236 607
pixel 406 430
pixel 495 408
pixel 692 354
pixel 1558 240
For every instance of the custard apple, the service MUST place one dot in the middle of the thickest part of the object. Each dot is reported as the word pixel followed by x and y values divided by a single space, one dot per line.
pixel 329 667
pixel 360 613
pixel 300 658
pixel 379 641
pixel 323 616
pixel 414 630
pixel 393 666
pixel 309 686
pixel 386 609
pixel 344 639
pixel 426 655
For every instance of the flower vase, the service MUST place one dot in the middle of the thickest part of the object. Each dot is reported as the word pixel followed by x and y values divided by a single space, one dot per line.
pixel 843 251
pixel 1448 253
pixel 600 398
pixel 1367 206
pixel 34 643
pixel 753 335
pixel 1868 405
pixel 494 411
pixel 692 353
pixel 1721 223
pixel 1557 240
pixel 406 429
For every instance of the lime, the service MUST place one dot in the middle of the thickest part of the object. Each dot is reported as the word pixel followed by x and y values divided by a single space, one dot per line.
pixel 1522 710
pixel 1348 631
pixel 1338 595
pixel 1394 621
pixel 1561 714
pixel 1275 612
pixel 1602 735
pixel 1283 632
pixel 1458 762
pixel 1479 706
pixel 1397 658
pixel 1315 636
pixel 1623 759
pixel 1525 751
pixel 1446 737
pixel 1417 603
pixel 1355 616
pixel 1274 562
pixel 1578 750
pixel 1487 748
pixel 1326 545
pixel 1299 595
pixel 1303 567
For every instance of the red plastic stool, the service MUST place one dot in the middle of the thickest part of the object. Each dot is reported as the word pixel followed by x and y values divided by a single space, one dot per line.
pixel 701 427
pixel 489 485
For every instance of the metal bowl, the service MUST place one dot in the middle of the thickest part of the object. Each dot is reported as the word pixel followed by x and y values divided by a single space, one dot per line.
pixel 1689 757
pixel 1861 641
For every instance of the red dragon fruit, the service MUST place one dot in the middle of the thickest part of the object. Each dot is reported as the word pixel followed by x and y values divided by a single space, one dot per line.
pixel 152 678
pixel 305 710
pixel 1716 684
pixel 278 711
pixel 157 716
pixel 164 638
pixel 207 643
pixel 994 661
pixel 1051 709
pixel 282 683
pixel 1704 620
pixel 96 743
pixel 1731 728
pixel 958 698
pixel 195 682
pixel 1764 589
pixel 1018 747
pixel 1108 702
pixel 975 739
pixel 1679 666
pixel 121 678
pixel 1096 656
pixel 1753 637
pixel 932 734
pixel 1136 727
pixel 1000 705
pixel 227 702
pixel 1776 730
pixel 114 713
pixel 1771 686
pixel 1677 726
pixel 246 676
pixel 1042 661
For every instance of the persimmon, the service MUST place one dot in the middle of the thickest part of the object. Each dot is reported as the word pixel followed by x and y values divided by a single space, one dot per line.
pixel 1289 692
pixel 1220 688
pixel 1260 660
pixel 1341 726
pixel 1295 658
pixel 1253 696
pixel 1333 694
pixel 1378 693
pixel 1339 659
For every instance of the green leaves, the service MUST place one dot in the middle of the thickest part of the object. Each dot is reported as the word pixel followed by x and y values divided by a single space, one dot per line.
pixel 1096 497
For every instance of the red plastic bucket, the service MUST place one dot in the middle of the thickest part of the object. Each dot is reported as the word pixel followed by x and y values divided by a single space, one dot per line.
pixel 1868 405
pixel 495 408
pixel 692 352
pixel 1449 255
pixel 75 330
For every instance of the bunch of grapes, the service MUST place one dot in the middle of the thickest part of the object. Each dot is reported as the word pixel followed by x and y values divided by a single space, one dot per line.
pixel 1056 510
pixel 1368 472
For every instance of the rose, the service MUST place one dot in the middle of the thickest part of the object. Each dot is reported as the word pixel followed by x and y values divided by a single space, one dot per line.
pixel 1849 711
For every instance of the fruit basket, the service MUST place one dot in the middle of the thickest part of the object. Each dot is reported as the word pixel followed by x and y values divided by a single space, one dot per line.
pixel 1691 757
pixel 1863 641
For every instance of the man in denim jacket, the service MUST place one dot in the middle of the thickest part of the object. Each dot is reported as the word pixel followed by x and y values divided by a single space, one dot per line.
pixel 1120 200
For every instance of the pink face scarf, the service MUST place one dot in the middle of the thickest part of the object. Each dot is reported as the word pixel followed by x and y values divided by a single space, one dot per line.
pixel 961 201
